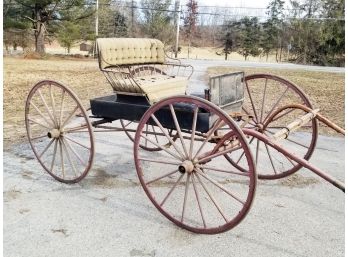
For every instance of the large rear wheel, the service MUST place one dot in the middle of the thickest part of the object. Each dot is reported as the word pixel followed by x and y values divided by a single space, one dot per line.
pixel 264 95
pixel 191 182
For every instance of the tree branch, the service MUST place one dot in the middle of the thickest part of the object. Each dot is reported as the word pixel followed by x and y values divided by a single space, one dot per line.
pixel 32 20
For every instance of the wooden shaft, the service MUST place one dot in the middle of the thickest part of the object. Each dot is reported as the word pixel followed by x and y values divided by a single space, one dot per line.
pixel 296 124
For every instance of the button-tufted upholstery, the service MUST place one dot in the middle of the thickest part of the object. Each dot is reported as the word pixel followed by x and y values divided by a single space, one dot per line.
pixel 124 60
pixel 128 51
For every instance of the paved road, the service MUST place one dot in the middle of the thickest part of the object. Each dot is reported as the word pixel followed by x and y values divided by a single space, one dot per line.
pixel 108 214
pixel 200 68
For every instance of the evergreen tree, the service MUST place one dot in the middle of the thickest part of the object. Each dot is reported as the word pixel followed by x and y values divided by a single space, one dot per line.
pixel 249 37
pixel 41 14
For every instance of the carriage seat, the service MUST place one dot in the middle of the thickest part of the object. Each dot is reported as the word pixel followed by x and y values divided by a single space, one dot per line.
pixel 138 66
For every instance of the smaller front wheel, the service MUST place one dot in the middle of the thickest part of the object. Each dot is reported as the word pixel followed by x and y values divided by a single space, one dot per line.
pixel 59 131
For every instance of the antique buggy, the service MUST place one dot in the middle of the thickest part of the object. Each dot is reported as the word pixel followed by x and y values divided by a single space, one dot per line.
pixel 197 157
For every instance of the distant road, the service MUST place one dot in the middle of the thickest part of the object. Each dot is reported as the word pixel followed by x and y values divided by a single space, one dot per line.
pixel 203 64
pixel 200 68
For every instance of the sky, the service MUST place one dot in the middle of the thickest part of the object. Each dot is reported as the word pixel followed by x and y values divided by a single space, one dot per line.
pixel 236 3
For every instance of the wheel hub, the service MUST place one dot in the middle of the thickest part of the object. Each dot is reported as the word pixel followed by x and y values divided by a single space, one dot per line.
pixel 54 133
pixel 260 127
pixel 186 166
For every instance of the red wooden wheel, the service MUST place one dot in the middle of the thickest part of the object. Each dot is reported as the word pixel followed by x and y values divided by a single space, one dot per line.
pixel 62 142
pixel 264 95
pixel 191 182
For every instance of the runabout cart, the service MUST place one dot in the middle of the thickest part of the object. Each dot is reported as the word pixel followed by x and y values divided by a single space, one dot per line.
pixel 197 157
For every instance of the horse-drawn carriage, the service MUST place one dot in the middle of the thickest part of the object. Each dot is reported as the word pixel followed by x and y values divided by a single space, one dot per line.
pixel 197 157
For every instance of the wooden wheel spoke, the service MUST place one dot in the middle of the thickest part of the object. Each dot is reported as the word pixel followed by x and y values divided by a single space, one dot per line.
pixel 38 137
pixel 74 152
pixel 61 158
pixel 187 184
pixel 41 114
pixel 163 176
pixel 248 113
pixel 204 167
pixel 194 124
pixel 164 149
pixel 277 102
pixel 283 114
pixel 69 117
pixel 291 161
pixel 167 136
pixel 53 107
pixel 68 157
pixel 46 148
pixel 125 126
pixel 257 152
pixel 251 101
pixel 61 108
pixel 198 201
pixel 270 158
pixel 217 184
pixel 211 197
pixel 242 154
pixel 178 129
pixel 38 123
pixel 54 155
pixel 46 106
pixel 208 136
pixel 263 100
pixel 159 161
pixel 219 153
pixel 72 140
pixel 154 132
pixel 172 189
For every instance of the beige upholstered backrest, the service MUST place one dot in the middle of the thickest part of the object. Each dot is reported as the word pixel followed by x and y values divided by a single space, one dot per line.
pixel 128 51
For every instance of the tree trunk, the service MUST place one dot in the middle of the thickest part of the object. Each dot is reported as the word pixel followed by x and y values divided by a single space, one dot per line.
pixel 40 38
pixel 226 56
pixel 39 27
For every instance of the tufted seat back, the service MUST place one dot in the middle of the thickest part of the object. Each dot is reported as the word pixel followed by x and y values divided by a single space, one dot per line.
pixel 129 51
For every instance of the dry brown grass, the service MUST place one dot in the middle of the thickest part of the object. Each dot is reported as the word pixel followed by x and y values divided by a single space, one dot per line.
pixel 20 75
pixel 324 89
